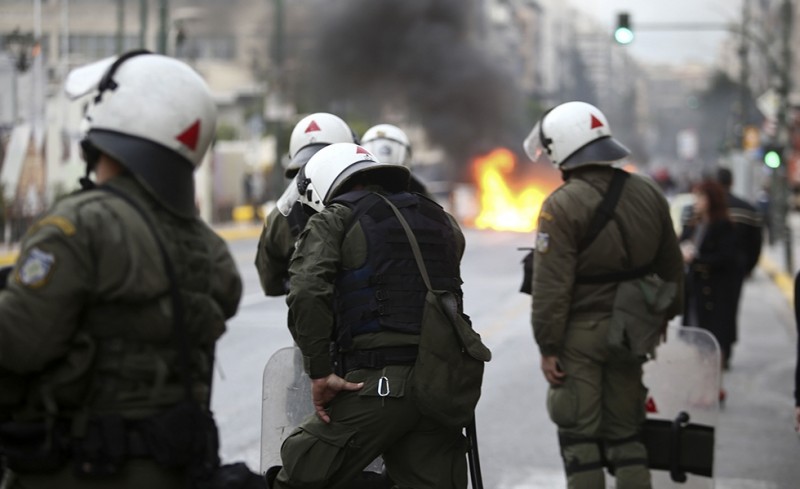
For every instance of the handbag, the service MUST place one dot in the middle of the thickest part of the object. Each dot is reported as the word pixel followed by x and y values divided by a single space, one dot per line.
pixel 448 371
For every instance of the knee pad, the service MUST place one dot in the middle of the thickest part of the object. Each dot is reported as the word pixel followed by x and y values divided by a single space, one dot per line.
pixel 580 454
pixel 626 452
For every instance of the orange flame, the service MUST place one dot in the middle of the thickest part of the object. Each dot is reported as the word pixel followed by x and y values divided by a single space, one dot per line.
pixel 501 208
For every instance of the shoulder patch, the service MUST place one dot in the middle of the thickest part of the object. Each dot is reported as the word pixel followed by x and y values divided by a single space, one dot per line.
pixel 546 216
pixel 60 222
pixel 542 242
pixel 35 269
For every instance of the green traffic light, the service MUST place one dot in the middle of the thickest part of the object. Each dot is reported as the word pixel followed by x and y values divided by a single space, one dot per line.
pixel 623 35
pixel 772 159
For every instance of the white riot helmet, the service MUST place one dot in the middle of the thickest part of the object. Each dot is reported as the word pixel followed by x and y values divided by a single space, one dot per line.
pixel 151 113
pixel 313 133
pixel 388 143
pixel 572 135
pixel 334 167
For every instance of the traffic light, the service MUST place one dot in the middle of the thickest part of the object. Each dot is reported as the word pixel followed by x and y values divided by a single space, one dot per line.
pixel 623 34
pixel 773 155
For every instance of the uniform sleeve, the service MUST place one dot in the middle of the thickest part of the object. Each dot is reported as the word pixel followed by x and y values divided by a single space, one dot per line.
pixel 668 263
pixel 555 264
pixel 40 308
pixel 312 272
pixel 274 251
pixel 227 287
pixel 459 237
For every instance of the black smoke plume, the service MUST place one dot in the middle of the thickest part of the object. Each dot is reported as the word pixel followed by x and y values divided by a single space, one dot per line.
pixel 421 55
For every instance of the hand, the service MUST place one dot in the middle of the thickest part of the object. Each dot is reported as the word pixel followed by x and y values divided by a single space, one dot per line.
pixel 552 370
pixel 688 251
pixel 664 331
pixel 324 389
pixel 797 419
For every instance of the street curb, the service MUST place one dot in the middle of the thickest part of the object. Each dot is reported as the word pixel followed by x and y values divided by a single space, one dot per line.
pixel 239 232
pixel 8 258
pixel 782 279
pixel 227 233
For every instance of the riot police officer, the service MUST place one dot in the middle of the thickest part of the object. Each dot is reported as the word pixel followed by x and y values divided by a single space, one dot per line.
pixel 596 399
pixel 119 294
pixel 282 226
pixel 354 281
pixel 391 145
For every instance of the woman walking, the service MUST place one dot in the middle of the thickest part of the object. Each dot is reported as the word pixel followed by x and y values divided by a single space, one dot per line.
pixel 712 269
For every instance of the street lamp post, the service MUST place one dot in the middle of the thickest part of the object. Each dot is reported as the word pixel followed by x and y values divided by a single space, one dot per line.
pixel 163 25
pixel 277 94
pixel 782 132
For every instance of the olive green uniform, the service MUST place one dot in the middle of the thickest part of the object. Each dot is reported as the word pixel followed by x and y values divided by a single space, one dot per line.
pixel 418 452
pixel 86 321
pixel 601 403
pixel 275 248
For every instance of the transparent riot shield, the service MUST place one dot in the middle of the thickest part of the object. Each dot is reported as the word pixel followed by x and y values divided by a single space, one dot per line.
pixel 683 405
pixel 285 403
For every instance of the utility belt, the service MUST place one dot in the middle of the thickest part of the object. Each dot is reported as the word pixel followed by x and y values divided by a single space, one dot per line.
pixel 174 438
pixel 377 358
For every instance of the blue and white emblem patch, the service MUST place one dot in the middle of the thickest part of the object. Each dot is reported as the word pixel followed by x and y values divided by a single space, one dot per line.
pixel 542 242
pixel 36 268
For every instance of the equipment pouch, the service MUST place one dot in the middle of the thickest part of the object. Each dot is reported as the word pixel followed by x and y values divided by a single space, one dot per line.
pixel 185 435
pixel 232 476
pixel 448 372
pixel 103 449
pixel 638 316
pixel 527 273
pixel 32 447
pixel 5 273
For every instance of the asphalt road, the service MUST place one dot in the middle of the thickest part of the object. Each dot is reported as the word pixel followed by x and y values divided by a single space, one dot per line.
pixel 756 444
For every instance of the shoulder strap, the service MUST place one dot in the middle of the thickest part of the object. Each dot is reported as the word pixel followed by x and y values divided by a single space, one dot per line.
pixel 178 323
pixel 603 214
pixel 605 211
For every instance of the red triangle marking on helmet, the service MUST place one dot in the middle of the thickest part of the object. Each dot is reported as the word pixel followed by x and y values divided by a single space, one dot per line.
pixel 596 122
pixel 361 151
pixel 313 127
pixel 650 405
pixel 190 136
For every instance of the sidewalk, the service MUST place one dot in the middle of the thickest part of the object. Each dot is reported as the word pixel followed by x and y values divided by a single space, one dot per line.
pixel 773 259
pixel 756 443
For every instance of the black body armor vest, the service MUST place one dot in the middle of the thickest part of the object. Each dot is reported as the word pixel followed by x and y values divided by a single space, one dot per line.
pixel 387 293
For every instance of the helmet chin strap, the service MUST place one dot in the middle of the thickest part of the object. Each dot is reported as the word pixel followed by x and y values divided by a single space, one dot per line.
pixel 91 155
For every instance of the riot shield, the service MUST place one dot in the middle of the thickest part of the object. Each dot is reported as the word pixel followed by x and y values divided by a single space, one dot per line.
pixel 285 403
pixel 683 405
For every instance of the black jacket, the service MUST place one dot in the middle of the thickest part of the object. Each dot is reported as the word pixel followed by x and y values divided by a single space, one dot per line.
pixel 712 282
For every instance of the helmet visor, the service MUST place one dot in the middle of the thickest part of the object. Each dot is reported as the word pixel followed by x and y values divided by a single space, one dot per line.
pixel 533 146
pixel 288 198
pixel 301 158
